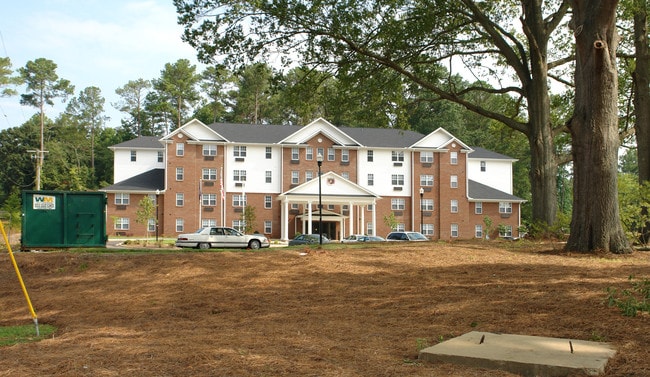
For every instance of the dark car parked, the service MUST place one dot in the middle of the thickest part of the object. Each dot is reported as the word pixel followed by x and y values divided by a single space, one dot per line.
pixel 406 236
pixel 308 239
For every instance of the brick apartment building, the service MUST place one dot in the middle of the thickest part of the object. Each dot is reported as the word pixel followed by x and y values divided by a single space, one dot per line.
pixel 203 175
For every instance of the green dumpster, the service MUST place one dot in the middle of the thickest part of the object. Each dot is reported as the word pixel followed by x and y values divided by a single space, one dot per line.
pixel 62 219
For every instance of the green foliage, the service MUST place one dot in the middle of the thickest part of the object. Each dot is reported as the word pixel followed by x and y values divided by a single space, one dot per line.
pixel 634 201
pixel 390 220
pixel 6 80
pixel 558 230
pixel 488 227
pixel 177 85
pixel 146 211
pixel 24 334
pixel 631 301
pixel 248 216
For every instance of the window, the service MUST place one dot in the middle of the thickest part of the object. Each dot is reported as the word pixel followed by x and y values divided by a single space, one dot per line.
pixel 426 157
pixel 151 225
pixel 239 200
pixel 505 231
pixel 268 201
pixel 295 154
pixel 505 207
pixel 239 175
pixel 478 231
pixel 345 175
pixel 426 205
pixel 331 155
pixel 309 153
pixel 454 206
pixel 268 176
pixel 453 181
pixel 209 150
pixel 134 156
pixel 239 151
pixel 160 156
pixel 208 223
pixel 180 149
pixel 309 175
pixel 371 156
pixel 122 223
pixel 426 180
pixel 478 208
pixel 397 156
pixel 369 229
pixel 400 227
pixel 268 226
pixel 180 199
pixel 427 229
pixel 371 179
pixel 122 199
pixel 269 153
pixel 397 204
pixel 320 152
pixel 453 158
pixel 397 179
pixel 240 225
pixel 483 167
pixel 294 206
pixel 369 207
pixel 295 177
pixel 209 174
pixel 209 200
pixel 180 225
pixel 454 230
pixel 179 174
pixel 345 155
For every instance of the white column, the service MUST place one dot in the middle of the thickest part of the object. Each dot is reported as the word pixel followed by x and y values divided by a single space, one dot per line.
pixel 362 210
pixel 374 217
pixel 352 222
pixel 309 218
pixel 284 221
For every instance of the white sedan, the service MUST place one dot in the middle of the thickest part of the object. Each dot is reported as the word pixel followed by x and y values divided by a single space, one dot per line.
pixel 221 237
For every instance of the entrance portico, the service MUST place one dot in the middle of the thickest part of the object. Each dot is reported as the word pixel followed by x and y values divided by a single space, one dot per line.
pixel 335 190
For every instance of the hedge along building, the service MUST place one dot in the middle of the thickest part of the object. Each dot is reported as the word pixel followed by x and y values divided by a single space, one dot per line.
pixel 373 180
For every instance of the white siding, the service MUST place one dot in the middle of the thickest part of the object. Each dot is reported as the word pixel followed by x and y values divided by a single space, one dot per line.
pixel 124 168
pixel 497 174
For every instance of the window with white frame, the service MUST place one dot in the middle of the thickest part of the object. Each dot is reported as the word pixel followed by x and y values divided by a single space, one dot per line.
pixel 208 223
pixel 309 175
pixel 309 153
pixel 331 154
pixel 122 223
pixel 320 152
pixel 454 230
pixel 295 177
pixel 268 176
pixel 369 207
pixel 478 208
pixel 268 201
pixel 478 231
pixel 505 207
pixel 269 153
pixel 505 231
pixel 134 156
pixel 397 204
pixel 180 199
pixel 239 175
pixel 400 227
pixel 268 226
pixel 397 179
pixel 160 156
pixel 122 199
pixel 180 174
pixel 397 156
pixel 295 154
pixel 151 225
pixel 483 166
pixel 239 151
pixel 180 225
pixel 453 158
pixel 294 206
pixel 209 174
pixel 369 229
pixel 426 205
pixel 239 200
pixel 209 200
pixel 427 229
pixel 370 156
pixel 345 175
pixel 453 181
pixel 240 225
pixel 426 156
pixel 454 206
pixel 180 149
pixel 345 155
pixel 371 179
pixel 209 150
pixel 426 180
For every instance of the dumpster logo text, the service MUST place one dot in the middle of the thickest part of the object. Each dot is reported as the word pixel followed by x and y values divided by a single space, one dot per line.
pixel 44 202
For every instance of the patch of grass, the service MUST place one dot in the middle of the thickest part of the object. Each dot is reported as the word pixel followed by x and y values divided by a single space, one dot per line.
pixel 24 334
pixel 633 301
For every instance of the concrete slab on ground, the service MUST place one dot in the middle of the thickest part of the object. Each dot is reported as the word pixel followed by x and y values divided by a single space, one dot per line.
pixel 521 354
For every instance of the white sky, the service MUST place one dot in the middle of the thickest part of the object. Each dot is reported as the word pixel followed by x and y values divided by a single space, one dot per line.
pixel 102 43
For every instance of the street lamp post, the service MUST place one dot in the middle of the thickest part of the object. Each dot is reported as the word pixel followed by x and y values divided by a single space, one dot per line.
pixel 157 219
pixel 319 160
pixel 421 209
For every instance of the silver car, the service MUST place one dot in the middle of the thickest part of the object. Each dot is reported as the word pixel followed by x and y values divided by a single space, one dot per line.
pixel 221 237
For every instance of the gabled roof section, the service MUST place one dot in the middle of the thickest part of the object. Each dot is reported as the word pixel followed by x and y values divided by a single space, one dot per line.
pixel 480 192
pixel 253 133
pixel 316 127
pixel 195 130
pixel 332 184
pixel 383 137
pixel 149 181
pixel 141 142
pixel 485 154
pixel 439 139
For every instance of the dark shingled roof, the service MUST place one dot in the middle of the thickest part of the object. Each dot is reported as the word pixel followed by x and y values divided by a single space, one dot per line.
pixel 151 180
pixel 141 142
pixel 479 191
pixel 488 154
pixel 383 137
pixel 253 133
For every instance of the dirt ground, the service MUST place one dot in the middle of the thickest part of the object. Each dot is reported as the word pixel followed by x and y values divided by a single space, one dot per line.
pixel 344 311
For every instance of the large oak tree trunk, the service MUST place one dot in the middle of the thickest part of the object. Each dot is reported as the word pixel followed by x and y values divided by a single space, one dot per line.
pixel 641 78
pixel 595 223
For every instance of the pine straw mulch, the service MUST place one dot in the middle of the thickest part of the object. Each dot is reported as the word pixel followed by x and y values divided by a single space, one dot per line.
pixel 340 311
